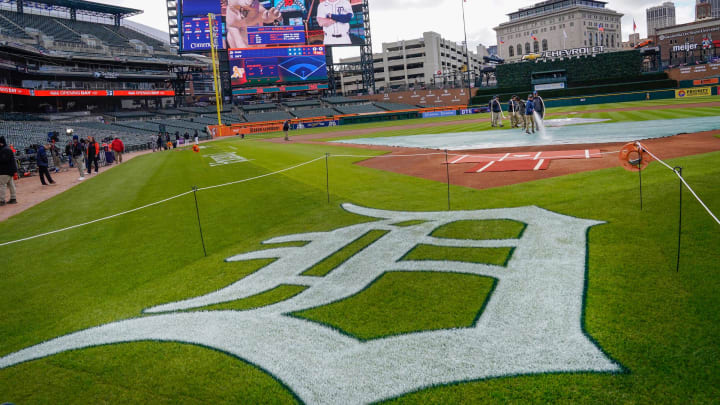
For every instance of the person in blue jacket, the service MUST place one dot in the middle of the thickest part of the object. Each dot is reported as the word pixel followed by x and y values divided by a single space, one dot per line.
pixel 529 119
pixel 42 162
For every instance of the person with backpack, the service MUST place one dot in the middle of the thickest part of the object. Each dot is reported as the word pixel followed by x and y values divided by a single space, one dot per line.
pixel 8 172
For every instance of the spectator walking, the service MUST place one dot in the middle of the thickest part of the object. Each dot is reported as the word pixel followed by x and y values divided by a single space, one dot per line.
pixel 159 141
pixel 42 162
pixel 76 154
pixel 8 172
pixel 197 138
pixel 118 147
pixel 286 128
pixel 154 142
pixel 93 149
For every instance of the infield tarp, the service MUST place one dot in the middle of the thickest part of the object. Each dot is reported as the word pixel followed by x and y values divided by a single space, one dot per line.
pixel 572 134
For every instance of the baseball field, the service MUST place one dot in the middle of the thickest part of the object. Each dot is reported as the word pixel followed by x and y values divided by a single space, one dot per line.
pixel 332 275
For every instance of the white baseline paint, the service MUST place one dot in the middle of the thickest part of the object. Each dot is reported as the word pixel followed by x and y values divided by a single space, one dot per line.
pixel 539 165
pixel 531 323
pixel 486 166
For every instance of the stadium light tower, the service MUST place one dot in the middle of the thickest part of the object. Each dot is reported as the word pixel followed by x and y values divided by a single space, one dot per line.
pixel 467 53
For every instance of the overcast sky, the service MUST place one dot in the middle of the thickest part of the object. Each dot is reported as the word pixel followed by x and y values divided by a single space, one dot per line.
pixel 393 20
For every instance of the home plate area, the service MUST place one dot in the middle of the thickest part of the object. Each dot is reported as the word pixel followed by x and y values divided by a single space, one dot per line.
pixel 521 161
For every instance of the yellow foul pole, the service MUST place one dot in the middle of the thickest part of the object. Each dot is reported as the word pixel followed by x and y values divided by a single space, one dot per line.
pixel 213 56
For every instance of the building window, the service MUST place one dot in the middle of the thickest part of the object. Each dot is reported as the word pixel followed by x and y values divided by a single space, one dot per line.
pixel 544 45
pixel 519 49
pixel 612 42
pixel 512 52
pixel 536 47
pixel 572 24
pixel 527 47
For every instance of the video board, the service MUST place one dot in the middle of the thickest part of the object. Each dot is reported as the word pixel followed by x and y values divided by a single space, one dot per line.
pixel 277 65
pixel 196 34
pixel 251 23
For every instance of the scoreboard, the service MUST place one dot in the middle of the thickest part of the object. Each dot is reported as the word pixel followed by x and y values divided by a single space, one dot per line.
pixel 272 66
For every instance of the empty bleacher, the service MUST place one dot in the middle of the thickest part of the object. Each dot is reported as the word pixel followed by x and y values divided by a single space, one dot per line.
pixel 302 103
pixel 359 109
pixel 394 106
pixel 339 100
pixel 314 112
pixel 10 28
pixel 268 116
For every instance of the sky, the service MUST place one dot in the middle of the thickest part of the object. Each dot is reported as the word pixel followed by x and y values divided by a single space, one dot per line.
pixel 393 20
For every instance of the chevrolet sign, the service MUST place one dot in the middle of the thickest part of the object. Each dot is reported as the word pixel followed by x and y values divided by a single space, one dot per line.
pixel 564 53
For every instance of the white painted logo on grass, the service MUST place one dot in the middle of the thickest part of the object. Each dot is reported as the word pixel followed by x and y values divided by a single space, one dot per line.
pixel 532 322
pixel 226 158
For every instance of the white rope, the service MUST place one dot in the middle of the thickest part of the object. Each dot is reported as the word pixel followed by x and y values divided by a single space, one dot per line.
pixel 96 220
pixel 682 180
pixel 152 204
pixel 261 176
pixel 391 155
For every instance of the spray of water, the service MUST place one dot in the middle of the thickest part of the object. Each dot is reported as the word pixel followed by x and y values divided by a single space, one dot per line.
pixel 540 125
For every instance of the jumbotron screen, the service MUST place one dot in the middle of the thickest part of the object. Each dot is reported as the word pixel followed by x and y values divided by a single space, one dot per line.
pixel 250 23
pixel 278 65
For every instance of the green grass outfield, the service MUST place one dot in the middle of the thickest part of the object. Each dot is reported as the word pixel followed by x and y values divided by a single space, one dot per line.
pixel 661 325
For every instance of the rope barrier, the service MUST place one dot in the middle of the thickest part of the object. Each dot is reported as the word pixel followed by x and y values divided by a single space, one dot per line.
pixel 154 203
pixel 682 179
pixel 307 163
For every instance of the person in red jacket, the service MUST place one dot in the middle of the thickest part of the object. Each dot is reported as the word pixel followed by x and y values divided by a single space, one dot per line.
pixel 118 148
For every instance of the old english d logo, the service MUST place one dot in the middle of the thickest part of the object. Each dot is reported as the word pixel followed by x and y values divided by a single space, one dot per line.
pixel 531 323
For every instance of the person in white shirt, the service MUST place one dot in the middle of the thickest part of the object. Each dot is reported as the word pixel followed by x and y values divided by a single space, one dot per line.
pixel 334 16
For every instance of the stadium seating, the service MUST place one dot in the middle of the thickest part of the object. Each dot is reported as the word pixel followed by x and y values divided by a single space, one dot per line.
pixel 302 103
pixel 394 106
pixel 359 109
pixel 314 112
pixel 338 100
pixel 10 28
pixel 268 116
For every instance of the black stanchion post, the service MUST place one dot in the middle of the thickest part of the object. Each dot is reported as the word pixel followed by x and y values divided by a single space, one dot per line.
pixel 197 211
pixel 447 173
pixel 677 264
pixel 327 177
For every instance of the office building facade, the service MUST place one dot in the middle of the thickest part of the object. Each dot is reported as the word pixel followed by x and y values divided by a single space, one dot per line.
pixel 556 25
pixel 660 17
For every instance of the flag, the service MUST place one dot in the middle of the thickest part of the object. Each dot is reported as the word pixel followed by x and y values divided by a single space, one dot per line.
pixel 634 25
pixel 601 29
pixel 564 34
pixel 532 35
pixel 502 42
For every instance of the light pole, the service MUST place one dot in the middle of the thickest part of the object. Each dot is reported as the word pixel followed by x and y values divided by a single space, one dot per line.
pixel 467 53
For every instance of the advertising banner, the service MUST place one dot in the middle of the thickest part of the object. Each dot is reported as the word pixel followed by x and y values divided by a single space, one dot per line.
pixel 14 90
pixel 315 124
pixel 702 82
pixel 433 114
pixel 693 92
pixel 468 111
pixel 86 93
